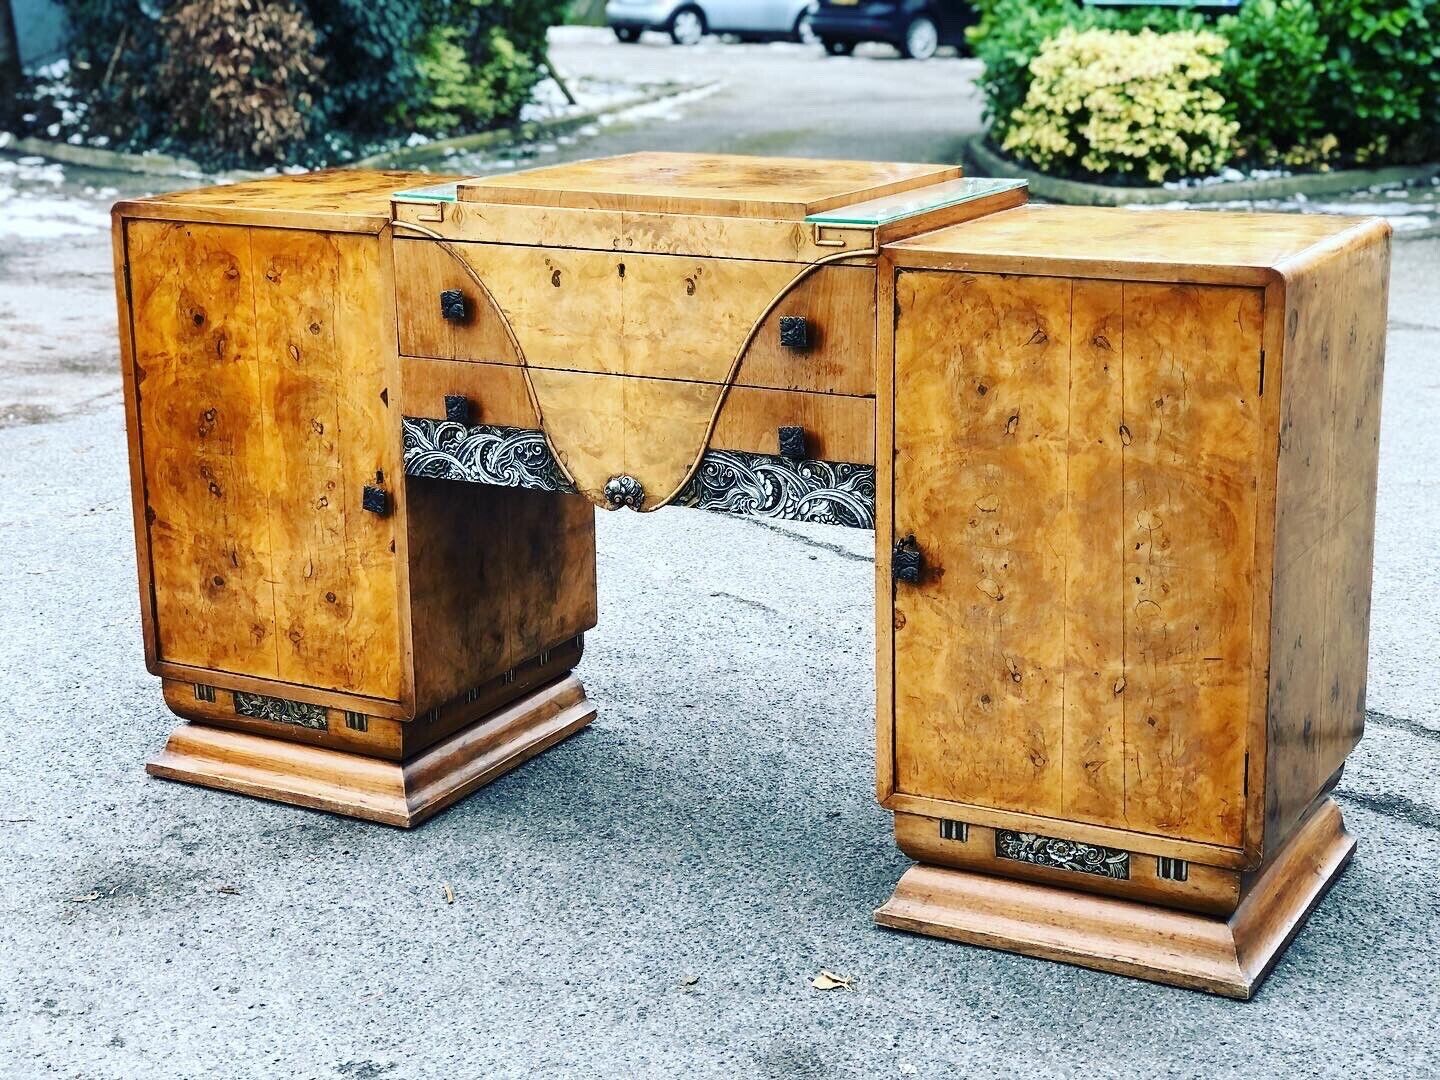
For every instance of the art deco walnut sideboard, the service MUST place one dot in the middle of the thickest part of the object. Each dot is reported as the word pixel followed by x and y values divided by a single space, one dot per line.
pixel 1120 468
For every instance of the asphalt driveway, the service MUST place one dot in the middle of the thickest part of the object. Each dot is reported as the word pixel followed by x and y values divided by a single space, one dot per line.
pixel 651 898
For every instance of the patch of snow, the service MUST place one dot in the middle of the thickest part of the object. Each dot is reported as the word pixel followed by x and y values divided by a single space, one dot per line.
pixel 31 217
pixel 670 108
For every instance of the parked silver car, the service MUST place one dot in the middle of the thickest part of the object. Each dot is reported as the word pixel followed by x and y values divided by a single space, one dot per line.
pixel 687 21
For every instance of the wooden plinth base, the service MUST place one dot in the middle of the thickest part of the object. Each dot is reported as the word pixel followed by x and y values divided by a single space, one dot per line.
pixel 1223 956
pixel 394 793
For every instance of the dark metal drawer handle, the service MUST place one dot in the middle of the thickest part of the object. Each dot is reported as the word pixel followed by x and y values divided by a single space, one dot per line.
pixel 906 562
pixel 457 409
pixel 792 443
pixel 794 332
pixel 375 499
pixel 452 306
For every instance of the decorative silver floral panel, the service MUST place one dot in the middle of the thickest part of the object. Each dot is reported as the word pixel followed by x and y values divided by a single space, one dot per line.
pixel 832 492
pixel 281 711
pixel 482 454
pixel 765 485
pixel 1062 854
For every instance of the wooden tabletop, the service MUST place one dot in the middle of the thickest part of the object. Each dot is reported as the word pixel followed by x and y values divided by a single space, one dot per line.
pixel 1100 242
pixel 335 200
pixel 722 185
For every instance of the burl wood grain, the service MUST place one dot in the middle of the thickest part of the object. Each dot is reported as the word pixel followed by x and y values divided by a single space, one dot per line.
pixel 723 185
pixel 260 357
pixel 1077 461
pixel 331 200
pixel 647 316
pixel 1329 383
pixel 1097 242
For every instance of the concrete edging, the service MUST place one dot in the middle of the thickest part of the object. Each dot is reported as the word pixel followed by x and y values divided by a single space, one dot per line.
pixel 166 165
pixel 1081 193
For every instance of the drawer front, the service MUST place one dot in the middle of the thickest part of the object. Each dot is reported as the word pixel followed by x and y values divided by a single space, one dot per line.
pixel 650 316
pixel 654 430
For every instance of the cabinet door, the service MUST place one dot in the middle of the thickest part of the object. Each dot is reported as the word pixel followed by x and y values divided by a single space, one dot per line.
pixel 260 359
pixel 1076 460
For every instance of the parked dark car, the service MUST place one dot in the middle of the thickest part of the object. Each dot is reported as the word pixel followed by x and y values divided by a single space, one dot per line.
pixel 916 27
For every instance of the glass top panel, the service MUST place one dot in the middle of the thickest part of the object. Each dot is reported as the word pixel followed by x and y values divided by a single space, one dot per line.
pixel 432 193
pixel 877 212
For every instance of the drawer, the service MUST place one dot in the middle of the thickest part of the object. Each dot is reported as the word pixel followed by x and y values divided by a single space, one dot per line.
pixel 836 427
pixel 649 316
pixel 652 429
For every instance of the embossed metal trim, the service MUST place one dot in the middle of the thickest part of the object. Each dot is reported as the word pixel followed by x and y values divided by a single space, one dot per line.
pixel 1062 854
pixel 624 490
pixel 279 710
pixel 831 492
pixel 484 454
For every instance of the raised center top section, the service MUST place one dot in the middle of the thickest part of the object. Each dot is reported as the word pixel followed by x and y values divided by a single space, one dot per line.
pixel 718 185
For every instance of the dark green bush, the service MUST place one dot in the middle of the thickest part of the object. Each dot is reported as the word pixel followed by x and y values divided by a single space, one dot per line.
pixel 390 67
pixel 1306 80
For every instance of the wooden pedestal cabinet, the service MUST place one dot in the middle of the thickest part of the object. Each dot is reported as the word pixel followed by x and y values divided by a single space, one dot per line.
pixel 1132 491
pixel 1120 468
pixel 336 636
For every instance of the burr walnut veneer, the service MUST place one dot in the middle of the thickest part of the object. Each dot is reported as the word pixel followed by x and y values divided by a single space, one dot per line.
pixel 1120 468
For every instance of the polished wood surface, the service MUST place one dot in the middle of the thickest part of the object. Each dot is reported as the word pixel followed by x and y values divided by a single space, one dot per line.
pixel 1146 245
pixel 1137 452
pixel 721 185
pixel 1329 378
pixel 1040 474
pixel 332 200
pixel 1210 890
pixel 665 317
pixel 769 239
pixel 1230 957
pixel 260 363
pixel 393 793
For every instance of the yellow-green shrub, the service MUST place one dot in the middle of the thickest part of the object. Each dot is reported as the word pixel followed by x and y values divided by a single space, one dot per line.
pixel 1118 104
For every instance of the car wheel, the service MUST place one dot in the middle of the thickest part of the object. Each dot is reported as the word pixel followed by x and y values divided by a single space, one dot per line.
pixel 839 48
pixel 804 32
pixel 921 39
pixel 627 34
pixel 687 26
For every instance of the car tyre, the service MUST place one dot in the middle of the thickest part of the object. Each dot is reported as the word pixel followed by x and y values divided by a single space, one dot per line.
pixel 627 34
pixel 687 26
pixel 804 33
pixel 922 38
pixel 839 48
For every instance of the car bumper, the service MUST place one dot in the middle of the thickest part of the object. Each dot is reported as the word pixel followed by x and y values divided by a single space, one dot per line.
pixel 641 16
pixel 855 25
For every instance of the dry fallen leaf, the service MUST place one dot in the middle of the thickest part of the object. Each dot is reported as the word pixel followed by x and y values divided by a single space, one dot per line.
pixel 828 980
pixel 449 894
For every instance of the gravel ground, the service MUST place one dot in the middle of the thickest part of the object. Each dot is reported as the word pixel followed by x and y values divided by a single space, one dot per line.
pixel 652 897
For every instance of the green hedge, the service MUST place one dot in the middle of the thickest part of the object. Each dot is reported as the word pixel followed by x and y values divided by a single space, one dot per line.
pixel 1307 81
pixel 390 67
